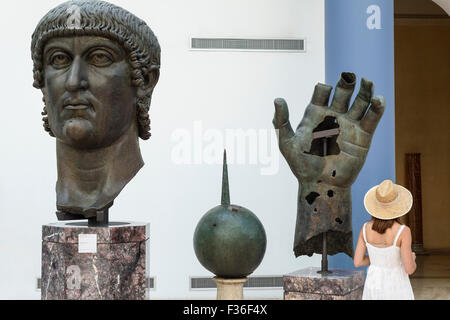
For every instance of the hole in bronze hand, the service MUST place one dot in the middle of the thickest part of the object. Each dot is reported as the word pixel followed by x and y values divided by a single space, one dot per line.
pixel 311 197
pixel 332 147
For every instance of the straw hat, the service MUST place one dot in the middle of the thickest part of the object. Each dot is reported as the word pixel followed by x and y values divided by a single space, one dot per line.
pixel 388 200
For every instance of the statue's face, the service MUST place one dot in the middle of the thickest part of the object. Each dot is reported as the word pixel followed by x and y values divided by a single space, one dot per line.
pixel 89 96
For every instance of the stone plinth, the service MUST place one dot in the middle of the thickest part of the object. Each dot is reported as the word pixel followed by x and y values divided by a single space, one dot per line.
pixel 230 289
pixel 94 263
pixel 307 284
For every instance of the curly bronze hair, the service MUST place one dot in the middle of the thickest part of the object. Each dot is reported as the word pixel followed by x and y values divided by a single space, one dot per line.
pixel 99 18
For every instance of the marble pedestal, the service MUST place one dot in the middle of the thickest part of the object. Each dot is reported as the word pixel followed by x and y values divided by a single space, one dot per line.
pixel 230 289
pixel 94 263
pixel 307 284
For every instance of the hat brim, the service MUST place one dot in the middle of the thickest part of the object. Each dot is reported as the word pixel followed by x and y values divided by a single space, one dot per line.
pixel 398 208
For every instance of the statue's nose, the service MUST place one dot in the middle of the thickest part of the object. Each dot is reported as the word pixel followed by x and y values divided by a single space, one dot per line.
pixel 75 78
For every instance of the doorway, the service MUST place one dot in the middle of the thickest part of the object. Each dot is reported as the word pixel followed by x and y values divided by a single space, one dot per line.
pixel 422 126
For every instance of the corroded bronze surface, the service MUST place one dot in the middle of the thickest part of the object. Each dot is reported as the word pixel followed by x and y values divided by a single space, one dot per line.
pixel 97 65
pixel 324 197
pixel 229 240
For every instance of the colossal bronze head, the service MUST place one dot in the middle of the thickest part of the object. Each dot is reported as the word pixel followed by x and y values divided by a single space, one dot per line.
pixel 97 65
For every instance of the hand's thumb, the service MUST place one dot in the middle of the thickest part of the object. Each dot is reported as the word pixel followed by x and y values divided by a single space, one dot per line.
pixel 281 113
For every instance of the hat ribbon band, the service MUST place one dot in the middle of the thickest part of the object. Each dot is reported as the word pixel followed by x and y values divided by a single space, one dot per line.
pixel 386 204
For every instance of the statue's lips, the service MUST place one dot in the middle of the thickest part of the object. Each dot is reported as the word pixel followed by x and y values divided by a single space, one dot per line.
pixel 77 106
pixel 73 103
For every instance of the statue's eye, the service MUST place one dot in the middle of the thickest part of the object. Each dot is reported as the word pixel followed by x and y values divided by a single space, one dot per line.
pixel 100 58
pixel 60 60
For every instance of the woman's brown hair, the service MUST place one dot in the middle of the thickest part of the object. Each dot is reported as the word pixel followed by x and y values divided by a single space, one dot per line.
pixel 381 226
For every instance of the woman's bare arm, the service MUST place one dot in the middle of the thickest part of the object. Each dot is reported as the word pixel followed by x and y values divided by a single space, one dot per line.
pixel 408 257
pixel 360 259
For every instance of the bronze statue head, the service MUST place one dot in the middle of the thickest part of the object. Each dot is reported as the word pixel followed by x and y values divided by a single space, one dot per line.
pixel 97 65
pixel 102 19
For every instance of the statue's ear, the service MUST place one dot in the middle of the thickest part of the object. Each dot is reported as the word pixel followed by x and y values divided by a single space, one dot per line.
pixel 151 79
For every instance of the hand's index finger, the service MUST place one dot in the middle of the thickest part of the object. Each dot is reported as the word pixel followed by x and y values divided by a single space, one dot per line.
pixel 321 95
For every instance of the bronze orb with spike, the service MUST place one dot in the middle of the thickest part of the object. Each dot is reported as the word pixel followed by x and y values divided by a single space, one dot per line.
pixel 229 240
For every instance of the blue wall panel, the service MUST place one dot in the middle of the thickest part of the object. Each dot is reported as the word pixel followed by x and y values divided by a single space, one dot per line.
pixel 359 38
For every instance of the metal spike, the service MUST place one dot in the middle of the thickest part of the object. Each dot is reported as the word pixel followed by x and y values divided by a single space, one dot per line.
pixel 225 187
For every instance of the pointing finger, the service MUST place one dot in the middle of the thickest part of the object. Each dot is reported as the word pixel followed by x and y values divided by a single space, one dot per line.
pixel 321 95
pixel 370 121
pixel 362 100
pixel 281 119
pixel 343 92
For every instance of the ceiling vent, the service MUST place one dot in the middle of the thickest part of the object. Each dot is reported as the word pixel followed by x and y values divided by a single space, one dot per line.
pixel 234 44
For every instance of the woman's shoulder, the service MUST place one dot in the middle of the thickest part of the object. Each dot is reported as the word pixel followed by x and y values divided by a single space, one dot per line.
pixel 366 227
pixel 404 234
pixel 368 224
pixel 405 230
pixel 398 226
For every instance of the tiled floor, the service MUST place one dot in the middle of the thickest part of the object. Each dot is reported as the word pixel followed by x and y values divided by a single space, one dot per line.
pixel 431 281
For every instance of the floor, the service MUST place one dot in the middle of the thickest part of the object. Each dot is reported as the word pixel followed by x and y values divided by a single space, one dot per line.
pixel 431 281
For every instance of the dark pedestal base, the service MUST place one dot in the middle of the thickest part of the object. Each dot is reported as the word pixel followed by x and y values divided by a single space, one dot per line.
pixel 307 284
pixel 418 249
pixel 77 267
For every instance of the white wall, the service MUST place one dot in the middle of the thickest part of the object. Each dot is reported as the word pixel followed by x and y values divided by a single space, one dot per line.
pixel 223 90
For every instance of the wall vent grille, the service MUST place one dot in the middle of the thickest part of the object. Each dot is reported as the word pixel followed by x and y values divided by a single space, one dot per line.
pixel 38 284
pixel 287 45
pixel 150 283
pixel 256 282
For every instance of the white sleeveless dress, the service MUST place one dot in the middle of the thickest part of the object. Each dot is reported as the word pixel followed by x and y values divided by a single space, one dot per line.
pixel 386 277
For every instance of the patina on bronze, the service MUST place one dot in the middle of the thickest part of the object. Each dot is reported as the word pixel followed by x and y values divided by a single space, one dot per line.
pixel 97 65
pixel 229 240
pixel 326 169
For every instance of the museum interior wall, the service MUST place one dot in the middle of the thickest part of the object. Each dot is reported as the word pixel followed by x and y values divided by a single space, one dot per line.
pixel 422 70
pixel 204 101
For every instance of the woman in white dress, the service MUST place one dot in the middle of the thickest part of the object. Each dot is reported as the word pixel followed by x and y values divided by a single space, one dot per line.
pixel 388 244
